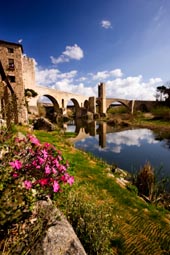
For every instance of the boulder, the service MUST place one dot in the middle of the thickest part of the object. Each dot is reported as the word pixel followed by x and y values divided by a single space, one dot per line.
pixel 43 124
pixel 59 238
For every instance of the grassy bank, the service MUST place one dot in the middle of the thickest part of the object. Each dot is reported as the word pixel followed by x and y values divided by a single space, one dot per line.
pixel 148 121
pixel 103 213
pixel 107 218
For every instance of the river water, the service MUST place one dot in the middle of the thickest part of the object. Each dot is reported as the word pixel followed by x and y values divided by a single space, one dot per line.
pixel 129 149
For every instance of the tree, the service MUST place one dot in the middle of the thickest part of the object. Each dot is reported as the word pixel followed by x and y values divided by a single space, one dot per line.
pixel 164 92
pixel 29 93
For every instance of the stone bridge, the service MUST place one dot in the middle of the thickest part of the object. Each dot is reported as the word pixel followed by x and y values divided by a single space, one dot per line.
pixel 84 104
pixel 60 100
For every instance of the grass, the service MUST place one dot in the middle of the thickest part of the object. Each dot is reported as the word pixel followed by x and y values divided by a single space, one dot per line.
pixel 107 218
pixel 139 228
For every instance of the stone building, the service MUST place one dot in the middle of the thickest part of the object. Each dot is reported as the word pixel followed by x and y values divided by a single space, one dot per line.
pixel 19 73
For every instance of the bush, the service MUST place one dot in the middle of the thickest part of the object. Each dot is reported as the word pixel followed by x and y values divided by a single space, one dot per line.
pixel 146 180
pixel 92 222
pixel 161 112
pixel 29 171
pixel 117 110
pixel 152 187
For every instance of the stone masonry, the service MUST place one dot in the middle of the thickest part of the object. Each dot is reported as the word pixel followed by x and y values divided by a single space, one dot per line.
pixel 11 57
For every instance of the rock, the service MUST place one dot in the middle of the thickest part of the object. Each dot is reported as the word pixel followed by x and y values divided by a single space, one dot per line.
pixel 59 238
pixel 43 124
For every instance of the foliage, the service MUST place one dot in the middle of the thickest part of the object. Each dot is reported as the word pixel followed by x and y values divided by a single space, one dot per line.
pixel 91 221
pixel 162 112
pixel 145 180
pixel 30 93
pixel 29 171
pixel 152 188
pixel 108 219
pixel 163 90
pixel 117 109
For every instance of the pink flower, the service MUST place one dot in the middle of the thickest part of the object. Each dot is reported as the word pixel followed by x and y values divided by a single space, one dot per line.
pixel 70 180
pixel 56 186
pixel 65 177
pixel 45 153
pixel 15 175
pixel 62 168
pixel 56 163
pixel 27 184
pixel 46 145
pixel 34 140
pixel 16 164
pixel 47 169
pixel 41 160
pixel 59 158
pixel 54 170
pixel 43 182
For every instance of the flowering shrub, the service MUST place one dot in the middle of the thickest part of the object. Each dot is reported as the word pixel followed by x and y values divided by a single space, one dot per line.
pixel 40 166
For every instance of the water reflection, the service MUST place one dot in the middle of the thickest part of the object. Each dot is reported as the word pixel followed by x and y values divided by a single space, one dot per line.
pixel 106 134
pixel 134 137
pixel 128 148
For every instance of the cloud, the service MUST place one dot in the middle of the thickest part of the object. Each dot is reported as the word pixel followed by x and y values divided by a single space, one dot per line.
pixel 130 87
pixel 158 16
pixel 71 52
pixel 106 24
pixel 106 74
pixel 129 138
pixel 64 81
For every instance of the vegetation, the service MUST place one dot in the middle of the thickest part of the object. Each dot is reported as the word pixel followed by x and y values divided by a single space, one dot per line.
pixel 107 218
pixel 163 92
pixel 162 112
pixel 118 109
pixel 30 93
pixel 151 187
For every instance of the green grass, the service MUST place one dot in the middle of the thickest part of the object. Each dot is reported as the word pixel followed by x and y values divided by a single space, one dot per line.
pixel 139 228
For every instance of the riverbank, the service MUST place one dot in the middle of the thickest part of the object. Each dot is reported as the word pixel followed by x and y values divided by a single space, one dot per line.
pixel 143 120
pixel 107 218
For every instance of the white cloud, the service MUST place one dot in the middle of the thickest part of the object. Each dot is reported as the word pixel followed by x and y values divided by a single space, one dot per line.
pixel 106 74
pixel 131 87
pixel 129 138
pixel 106 24
pixel 71 52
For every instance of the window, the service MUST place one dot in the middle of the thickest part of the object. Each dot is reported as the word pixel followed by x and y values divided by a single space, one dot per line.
pixel 11 64
pixel 10 50
pixel 11 78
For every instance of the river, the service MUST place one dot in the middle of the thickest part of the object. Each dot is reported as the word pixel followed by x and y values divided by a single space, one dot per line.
pixel 129 149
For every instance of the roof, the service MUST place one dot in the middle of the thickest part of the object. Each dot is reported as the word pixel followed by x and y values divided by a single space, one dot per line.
pixel 12 43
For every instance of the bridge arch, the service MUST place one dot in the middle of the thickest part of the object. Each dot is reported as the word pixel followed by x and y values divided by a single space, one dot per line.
pixel 75 102
pixel 124 103
pixel 51 99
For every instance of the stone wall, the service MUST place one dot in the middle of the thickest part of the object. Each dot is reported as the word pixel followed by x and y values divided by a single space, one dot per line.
pixel 28 72
pixel 14 53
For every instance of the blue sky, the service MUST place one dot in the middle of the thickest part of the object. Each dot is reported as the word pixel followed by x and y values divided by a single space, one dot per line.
pixel 77 44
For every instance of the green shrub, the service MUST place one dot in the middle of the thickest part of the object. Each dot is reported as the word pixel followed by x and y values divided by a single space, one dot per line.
pixel 92 222
pixel 117 109
pixel 161 112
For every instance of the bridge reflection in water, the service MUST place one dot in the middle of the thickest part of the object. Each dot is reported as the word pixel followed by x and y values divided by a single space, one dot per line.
pixel 128 148
pixel 86 129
